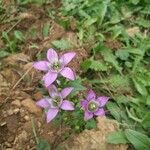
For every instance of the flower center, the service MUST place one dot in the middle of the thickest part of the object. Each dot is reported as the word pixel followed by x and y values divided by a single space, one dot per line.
pixel 92 106
pixel 56 101
pixel 56 66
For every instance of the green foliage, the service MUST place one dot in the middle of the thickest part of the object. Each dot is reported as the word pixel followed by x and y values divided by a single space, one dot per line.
pixel 43 145
pixel 139 140
pixel 117 138
pixel 62 44
pixel 46 29
pixel 121 72
pixel 11 43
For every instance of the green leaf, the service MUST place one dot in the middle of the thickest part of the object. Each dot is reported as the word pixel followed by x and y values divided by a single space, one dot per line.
pixel 117 137
pixel 114 110
pixel 148 100
pixel 144 23
pixel 62 44
pixel 146 120
pixel 135 2
pixel 86 64
pixel 140 141
pixel 3 53
pixel 43 145
pixel 140 87
pixel 46 29
pixel 19 35
pixel 102 10
pixel 91 124
pixel 97 65
pixel 133 117
pixel 111 58
pixel 77 85
pixel 122 54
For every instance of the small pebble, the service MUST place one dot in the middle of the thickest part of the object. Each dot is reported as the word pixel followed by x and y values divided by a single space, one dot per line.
pixel 10 112
pixel 26 118
pixel 7 144
pixel 16 103
pixel 16 110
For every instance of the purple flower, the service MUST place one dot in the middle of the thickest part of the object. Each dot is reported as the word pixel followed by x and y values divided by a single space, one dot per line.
pixel 56 101
pixel 93 106
pixel 55 66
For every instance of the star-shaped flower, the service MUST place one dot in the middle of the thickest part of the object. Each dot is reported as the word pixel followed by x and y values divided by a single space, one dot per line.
pixel 55 66
pixel 56 102
pixel 93 106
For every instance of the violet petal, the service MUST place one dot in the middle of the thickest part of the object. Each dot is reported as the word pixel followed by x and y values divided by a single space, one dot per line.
pixel 83 103
pixel 67 73
pixel 88 115
pixel 102 100
pixel 66 91
pixel 52 55
pixel 49 78
pixel 41 65
pixel 43 103
pixel 67 105
pixel 91 95
pixel 53 92
pixel 66 58
pixel 51 114
pixel 100 112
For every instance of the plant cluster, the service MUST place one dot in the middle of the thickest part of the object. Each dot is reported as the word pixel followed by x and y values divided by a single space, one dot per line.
pixel 54 68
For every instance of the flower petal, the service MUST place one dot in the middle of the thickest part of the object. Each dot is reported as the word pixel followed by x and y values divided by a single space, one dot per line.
pixel 88 115
pixel 68 73
pixel 66 58
pixel 51 114
pixel 49 78
pixel 41 65
pixel 83 103
pixel 43 103
pixel 102 100
pixel 66 91
pixel 67 105
pixel 91 95
pixel 100 112
pixel 53 92
pixel 52 55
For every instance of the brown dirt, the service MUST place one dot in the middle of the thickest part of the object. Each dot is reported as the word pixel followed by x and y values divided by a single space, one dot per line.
pixel 17 97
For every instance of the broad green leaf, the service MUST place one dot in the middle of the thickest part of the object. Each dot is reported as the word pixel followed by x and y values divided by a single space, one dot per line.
pixel 135 1
pixel 97 65
pixel 62 44
pixel 122 54
pixel 86 64
pixel 117 137
pixel 3 53
pixel 146 120
pixel 140 87
pixel 148 100
pixel 91 124
pixel 43 145
pixel 133 117
pixel 111 58
pixel 19 35
pixel 140 141
pixel 90 22
pixel 103 10
pixel 144 23
pixel 114 110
